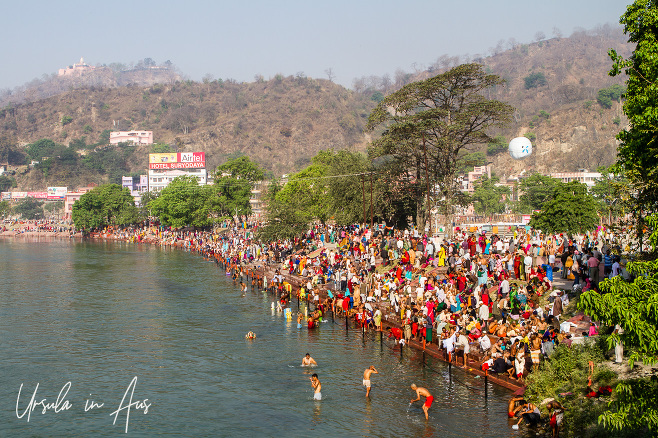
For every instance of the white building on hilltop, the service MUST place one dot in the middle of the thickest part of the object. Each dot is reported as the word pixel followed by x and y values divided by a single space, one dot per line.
pixel 76 69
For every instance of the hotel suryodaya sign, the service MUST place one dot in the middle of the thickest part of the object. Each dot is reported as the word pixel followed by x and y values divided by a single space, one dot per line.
pixel 178 160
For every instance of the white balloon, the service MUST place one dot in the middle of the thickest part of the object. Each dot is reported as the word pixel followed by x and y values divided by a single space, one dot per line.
pixel 520 147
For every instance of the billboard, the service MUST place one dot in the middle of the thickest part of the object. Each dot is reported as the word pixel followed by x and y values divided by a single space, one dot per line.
pixel 178 160
pixel 56 192
pixel 6 196
pixel 40 195
pixel 18 195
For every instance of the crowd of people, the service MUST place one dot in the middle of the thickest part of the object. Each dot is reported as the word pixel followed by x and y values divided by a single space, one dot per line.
pixel 37 226
pixel 477 296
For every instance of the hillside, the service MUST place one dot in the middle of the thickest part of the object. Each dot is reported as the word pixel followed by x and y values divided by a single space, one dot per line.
pixel 578 133
pixel 281 123
pixel 284 121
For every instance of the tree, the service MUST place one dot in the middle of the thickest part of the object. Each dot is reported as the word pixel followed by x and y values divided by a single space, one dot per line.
pixel 184 203
pixel 488 198
pixel 606 96
pixel 638 148
pixel 535 191
pixel 107 205
pixel 306 192
pixel 330 74
pixel 29 208
pixel 6 183
pixel 428 123
pixel 571 209
pixel 144 209
pixel 611 192
pixel 632 306
pixel 43 148
pixel 346 194
pixel 285 220
pixel 535 80
pixel 234 181
pixel 5 208
pixel 52 207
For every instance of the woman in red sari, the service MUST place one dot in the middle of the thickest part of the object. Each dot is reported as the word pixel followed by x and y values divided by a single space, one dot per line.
pixel 517 265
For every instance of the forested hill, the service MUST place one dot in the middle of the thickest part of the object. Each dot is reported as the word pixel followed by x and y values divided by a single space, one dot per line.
pixel 282 122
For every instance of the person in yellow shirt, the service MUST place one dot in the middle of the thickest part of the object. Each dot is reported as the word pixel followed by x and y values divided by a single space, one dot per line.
pixel 442 256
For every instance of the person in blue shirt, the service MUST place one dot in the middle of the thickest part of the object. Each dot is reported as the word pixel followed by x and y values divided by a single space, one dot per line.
pixel 607 261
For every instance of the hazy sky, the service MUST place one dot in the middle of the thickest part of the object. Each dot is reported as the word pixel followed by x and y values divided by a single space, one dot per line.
pixel 239 39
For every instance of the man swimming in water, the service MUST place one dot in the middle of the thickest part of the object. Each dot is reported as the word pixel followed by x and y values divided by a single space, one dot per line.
pixel 317 387
pixel 420 391
pixel 308 360
pixel 366 378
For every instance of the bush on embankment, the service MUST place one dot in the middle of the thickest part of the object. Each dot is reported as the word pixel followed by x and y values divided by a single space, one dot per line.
pixel 567 371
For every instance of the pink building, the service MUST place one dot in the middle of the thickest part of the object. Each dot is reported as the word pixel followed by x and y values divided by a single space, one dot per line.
pixel 135 137
pixel 478 172
pixel 71 198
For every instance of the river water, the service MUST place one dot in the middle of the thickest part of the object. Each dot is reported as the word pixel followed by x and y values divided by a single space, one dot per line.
pixel 99 315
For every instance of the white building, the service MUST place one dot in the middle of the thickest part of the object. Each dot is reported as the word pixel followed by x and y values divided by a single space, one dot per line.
pixel 583 176
pixel 160 178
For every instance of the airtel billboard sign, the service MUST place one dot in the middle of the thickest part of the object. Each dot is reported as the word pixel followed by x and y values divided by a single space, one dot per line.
pixel 178 160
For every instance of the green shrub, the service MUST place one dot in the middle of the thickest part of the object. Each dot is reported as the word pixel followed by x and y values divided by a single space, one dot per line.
pixel 616 120
pixel 588 104
pixel 544 115
pixel 606 96
pixel 566 371
pixel 66 120
pixel 530 136
pixel 535 80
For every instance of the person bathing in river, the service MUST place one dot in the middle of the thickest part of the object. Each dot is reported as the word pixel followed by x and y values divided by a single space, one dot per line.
pixel 317 387
pixel 420 391
pixel 366 378
pixel 308 360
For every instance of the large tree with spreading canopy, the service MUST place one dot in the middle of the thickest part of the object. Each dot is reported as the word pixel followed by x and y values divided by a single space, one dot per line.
pixel 427 124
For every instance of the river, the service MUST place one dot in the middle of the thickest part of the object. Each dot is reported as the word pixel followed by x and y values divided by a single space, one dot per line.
pixel 152 342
